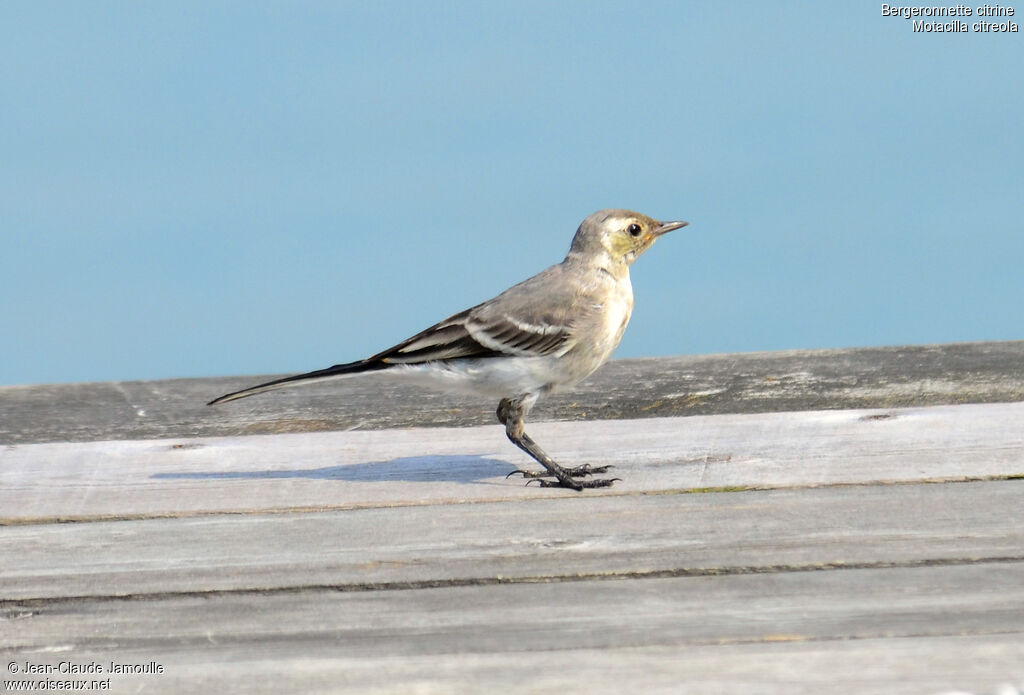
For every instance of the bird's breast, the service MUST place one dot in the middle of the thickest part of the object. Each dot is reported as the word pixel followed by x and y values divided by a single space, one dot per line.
pixel 618 308
pixel 602 330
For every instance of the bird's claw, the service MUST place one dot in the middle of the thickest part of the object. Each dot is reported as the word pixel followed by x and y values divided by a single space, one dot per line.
pixel 586 469
pixel 574 484
pixel 526 474
pixel 577 472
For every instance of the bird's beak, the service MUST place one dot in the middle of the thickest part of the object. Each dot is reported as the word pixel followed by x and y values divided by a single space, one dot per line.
pixel 665 227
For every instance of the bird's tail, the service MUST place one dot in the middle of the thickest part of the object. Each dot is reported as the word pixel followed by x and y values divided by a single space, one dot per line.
pixel 338 370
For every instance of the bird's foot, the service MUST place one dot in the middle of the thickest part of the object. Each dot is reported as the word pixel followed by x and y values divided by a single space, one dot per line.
pixel 574 484
pixel 586 469
pixel 577 472
pixel 565 477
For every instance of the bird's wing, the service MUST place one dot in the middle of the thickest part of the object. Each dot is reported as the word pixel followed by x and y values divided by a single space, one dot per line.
pixel 511 324
pixel 531 319
pixel 480 332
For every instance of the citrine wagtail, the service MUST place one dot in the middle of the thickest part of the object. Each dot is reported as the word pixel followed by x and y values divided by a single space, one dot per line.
pixel 538 336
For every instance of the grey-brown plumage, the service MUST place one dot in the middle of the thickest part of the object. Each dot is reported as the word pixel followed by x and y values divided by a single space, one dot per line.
pixel 545 333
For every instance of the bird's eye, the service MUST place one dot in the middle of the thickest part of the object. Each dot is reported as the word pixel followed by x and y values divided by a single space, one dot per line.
pixel 634 229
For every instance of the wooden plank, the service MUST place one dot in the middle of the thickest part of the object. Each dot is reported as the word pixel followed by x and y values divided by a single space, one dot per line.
pixel 766 531
pixel 958 665
pixel 257 548
pixel 623 389
pixel 795 626
pixel 338 470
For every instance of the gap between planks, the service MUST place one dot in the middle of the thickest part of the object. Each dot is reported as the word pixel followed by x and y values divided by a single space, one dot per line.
pixel 680 572
pixel 98 518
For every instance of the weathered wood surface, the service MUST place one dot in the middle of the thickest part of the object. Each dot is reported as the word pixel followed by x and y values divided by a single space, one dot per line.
pixel 628 536
pixel 623 389
pixel 450 465
pixel 537 630
pixel 779 664
pixel 774 552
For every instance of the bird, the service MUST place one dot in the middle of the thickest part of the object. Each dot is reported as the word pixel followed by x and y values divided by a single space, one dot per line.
pixel 541 335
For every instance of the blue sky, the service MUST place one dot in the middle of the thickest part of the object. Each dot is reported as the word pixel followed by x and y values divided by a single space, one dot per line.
pixel 217 188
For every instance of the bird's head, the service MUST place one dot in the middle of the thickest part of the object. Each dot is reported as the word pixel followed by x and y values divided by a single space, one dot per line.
pixel 621 234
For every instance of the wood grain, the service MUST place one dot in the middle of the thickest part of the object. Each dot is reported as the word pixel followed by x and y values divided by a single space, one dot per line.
pixel 541 539
pixel 341 470
pixel 830 521
pixel 609 635
pixel 623 389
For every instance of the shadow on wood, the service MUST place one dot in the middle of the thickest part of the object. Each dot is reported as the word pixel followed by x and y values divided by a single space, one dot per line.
pixel 452 469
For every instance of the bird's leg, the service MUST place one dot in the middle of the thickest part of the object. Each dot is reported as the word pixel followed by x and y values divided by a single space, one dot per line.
pixel 512 414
